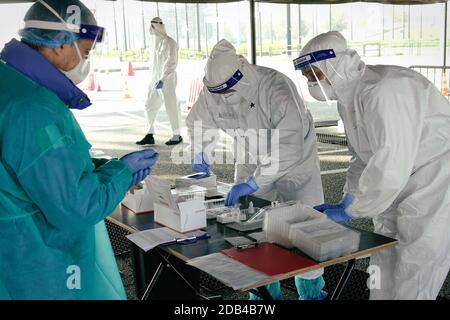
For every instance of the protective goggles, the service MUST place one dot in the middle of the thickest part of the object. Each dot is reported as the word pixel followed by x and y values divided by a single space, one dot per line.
pixel 237 76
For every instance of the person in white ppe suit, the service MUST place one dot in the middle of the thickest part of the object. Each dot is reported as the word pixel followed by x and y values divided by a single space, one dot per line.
pixel 398 131
pixel 163 83
pixel 244 99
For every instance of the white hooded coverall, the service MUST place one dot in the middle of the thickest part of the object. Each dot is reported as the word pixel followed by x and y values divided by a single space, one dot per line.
pixel 398 130
pixel 164 57
pixel 269 101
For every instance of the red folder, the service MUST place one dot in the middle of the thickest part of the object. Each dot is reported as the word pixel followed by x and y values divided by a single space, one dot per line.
pixel 269 259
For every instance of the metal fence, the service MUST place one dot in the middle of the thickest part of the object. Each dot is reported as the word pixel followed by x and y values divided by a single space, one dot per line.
pixel 439 75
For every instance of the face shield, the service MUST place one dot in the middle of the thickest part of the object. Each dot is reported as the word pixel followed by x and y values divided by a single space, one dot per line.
pixel 88 36
pixel 314 86
pixel 229 95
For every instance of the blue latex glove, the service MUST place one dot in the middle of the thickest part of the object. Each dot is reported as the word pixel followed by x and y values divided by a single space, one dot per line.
pixel 139 176
pixel 345 202
pixel 240 190
pixel 200 164
pixel 337 212
pixel 338 215
pixel 140 160
pixel 159 84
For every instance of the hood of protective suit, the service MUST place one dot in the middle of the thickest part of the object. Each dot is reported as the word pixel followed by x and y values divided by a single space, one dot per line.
pixel 222 64
pixel 158 29
pixel 344 71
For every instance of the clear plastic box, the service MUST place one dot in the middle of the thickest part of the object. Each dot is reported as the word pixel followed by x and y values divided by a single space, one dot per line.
pixel 323 239
pixel 209 183
pixel 230 215
pixel 279 218
pixel 190 193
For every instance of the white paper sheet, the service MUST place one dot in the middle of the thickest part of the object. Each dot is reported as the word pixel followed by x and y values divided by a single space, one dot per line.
pixel 229 271
pixel 148 239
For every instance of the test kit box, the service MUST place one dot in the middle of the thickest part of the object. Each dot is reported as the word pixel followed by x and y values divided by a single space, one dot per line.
pixel 139 200
pixel 190 216
pixel 176 212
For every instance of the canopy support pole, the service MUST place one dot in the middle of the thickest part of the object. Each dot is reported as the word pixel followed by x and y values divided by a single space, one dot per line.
pixel 252 32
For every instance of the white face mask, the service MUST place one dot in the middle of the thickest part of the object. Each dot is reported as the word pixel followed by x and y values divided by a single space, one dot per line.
pixel 316 91
pixel 81 70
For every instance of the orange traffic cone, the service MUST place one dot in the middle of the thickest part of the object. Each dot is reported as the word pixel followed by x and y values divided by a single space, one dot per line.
pixel 444 88
pixel 91 82
pixel 130 71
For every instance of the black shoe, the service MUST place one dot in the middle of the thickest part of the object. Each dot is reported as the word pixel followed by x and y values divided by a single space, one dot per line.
pixel 148 139
pixel 174 142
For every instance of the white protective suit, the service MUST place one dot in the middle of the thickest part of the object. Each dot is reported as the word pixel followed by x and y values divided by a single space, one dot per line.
pixel 266 99
pixel 398 130
pixel 164 54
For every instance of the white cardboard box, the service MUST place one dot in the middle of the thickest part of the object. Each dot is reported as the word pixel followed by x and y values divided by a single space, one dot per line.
pixel 190 216
pixel 138 201
pixel 182 216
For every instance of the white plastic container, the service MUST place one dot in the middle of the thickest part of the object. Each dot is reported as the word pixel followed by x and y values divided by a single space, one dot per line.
pixel 279 218
pixel 209 183
pixel 323 239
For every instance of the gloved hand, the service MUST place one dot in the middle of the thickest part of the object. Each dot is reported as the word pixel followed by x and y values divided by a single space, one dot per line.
pixel 240 190
pixel 338 215
pixel 337 212
pixel 345 202
pixel 140 160
pixel 200 164
pixel 159 84
pixel 139 176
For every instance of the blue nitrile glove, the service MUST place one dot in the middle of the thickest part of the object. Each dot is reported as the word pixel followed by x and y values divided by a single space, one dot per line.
pixel 159 84
pixel 140 160
pixel 337 212
pixel 240 190
pixel 345 202
pixel 139 176
pixel 200 164
pixel 338 215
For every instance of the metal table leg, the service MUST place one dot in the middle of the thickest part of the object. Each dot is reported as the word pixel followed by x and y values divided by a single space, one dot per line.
pixel 166 264
pixel 152 283
pixel 344 279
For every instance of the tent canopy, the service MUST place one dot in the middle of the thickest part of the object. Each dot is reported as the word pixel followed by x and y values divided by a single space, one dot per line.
pixel 252 10
pixel 400 2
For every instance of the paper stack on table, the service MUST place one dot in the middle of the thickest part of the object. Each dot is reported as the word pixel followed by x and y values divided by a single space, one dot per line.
pixel 229 271
pixel 149 239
